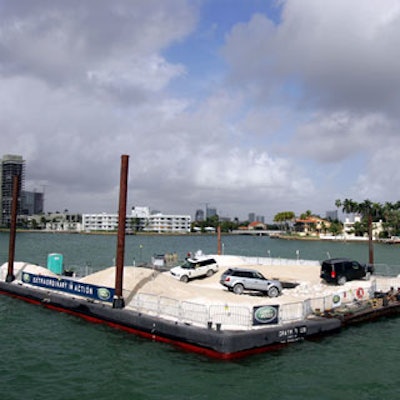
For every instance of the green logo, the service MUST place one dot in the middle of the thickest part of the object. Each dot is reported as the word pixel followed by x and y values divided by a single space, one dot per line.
pixel 103 294
pixel 265 314
pixel 26 278
pixel 336 299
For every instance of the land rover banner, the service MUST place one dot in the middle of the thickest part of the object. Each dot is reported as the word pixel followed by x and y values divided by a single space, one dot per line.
pixel 67 285
pixel 264 315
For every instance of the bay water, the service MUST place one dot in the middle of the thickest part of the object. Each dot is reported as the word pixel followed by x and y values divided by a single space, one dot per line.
pixel 50 355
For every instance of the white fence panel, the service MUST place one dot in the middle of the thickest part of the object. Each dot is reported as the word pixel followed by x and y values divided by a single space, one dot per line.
pixel 146 303
pixel 170 307
pixel 231 315
pixel 278 261
pixel 291 312
pixel 384 285
pixel 194 312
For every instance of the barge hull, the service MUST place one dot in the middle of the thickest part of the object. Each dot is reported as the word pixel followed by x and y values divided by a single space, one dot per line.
pixel 215 343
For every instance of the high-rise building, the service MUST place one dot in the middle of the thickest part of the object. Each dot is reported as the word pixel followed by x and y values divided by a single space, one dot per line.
pixel 210 212
pixel 332 215
pixel 252 217
pixel 199 215
pixel 10 166
pixel 32 203
pixel 260 218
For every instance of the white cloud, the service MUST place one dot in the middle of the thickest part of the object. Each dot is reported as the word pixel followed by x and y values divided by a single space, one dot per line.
pixel 334 137
pixel 307 109
pixel 333 53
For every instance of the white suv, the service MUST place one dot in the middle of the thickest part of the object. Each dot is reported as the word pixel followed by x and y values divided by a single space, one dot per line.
pixel 195 268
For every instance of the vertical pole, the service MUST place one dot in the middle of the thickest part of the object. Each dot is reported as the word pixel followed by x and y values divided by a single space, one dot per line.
pixel 118 299
pixel 370 243
pixel 13 227
pixel 219 239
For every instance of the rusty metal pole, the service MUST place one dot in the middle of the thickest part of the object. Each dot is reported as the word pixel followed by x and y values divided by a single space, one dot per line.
pixel 13 228
pixel 370 243
pixel 119 301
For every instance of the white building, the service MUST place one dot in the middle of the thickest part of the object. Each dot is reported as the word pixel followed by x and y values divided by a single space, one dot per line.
pixel 60 222
pixel 140 212
pixel 99 222
pixel 140 219
pixel 348 227
pixel 168 223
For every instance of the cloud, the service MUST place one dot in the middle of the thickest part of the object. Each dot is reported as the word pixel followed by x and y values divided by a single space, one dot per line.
pixel 380 178
pixel 334 137
pixel 298 109
pixel 324 53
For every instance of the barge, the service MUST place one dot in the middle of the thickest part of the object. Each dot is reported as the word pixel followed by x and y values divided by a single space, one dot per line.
pixel 263 332
pixel 224 331
pixel 212 341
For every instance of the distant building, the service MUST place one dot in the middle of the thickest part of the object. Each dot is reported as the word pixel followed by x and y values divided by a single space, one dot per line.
pixel 10 166
pixel 211 212
pixel 332 215
pixel 256 225
pixel 140 212
pixel 252 217
pixel 199 216
pixel 260 218
pixel 168 223
pixel 311 226
pixel 32 203
pixel 140 220
pixel 63 222
pixel 349 228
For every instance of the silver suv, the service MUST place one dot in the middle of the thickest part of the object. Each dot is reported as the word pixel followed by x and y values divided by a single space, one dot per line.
pixel 238 280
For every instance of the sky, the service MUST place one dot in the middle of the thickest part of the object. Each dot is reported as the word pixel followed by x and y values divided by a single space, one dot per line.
pixel 247 106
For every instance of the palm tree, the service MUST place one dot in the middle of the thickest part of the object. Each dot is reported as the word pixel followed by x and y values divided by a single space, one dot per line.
pixel 283 217
pixel 367 209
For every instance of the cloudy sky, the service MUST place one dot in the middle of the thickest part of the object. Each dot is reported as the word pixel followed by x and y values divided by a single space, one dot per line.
pixel 245 105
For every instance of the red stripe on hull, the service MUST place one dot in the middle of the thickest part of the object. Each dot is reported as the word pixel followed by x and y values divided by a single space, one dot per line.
pixel 182 345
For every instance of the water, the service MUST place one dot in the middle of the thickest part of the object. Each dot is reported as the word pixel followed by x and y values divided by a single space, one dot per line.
pixel 49 355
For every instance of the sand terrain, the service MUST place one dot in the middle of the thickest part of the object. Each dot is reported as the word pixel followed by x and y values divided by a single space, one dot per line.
pixel 210 291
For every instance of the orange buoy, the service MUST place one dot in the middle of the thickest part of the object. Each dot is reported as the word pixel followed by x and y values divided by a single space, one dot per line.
pixel 360 293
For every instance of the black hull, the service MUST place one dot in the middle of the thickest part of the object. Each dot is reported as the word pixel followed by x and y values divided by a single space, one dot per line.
pixel 216 343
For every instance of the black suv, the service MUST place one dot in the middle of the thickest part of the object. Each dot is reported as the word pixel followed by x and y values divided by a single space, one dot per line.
pixel 341 270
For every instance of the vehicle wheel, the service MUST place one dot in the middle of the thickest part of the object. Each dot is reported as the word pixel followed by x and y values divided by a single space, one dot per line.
pixel 273 291
pixel 368 276
pixel 238 288
pixel 184 279
pixel 341 280
pixel 210 272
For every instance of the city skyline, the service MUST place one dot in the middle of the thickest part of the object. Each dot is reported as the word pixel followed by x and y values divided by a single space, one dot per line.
pixel 259 107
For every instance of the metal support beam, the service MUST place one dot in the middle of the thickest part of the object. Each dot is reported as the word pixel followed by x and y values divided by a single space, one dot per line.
pixel 119 301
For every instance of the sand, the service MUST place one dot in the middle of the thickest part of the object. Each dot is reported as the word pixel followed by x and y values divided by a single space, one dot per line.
pixel 137 280
pixel 210 291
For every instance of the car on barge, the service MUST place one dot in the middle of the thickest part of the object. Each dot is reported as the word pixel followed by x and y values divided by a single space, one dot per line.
pixel 238 280
pixel 195 268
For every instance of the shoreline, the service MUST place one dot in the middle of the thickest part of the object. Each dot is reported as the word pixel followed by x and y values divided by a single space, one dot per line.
pixel 196 234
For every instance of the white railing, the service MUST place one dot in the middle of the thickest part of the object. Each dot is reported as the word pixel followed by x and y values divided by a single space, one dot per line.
pixel 203 315
pixel 230 316
pixel 241 317
pixel 277 261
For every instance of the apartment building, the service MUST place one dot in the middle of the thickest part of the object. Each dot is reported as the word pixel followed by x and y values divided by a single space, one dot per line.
pixel 10 165
pixel 168 223
pixel 139 220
